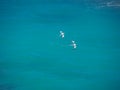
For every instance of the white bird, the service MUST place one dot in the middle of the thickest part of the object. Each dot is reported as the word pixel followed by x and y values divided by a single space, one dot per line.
pixel 62 34
pixel 74 44
pixel 73 41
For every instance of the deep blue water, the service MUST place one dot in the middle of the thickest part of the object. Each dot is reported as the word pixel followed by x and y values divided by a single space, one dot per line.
pixel 34 57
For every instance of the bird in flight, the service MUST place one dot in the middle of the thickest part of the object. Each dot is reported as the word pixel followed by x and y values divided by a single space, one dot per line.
pixel 62 34
pixel 74 44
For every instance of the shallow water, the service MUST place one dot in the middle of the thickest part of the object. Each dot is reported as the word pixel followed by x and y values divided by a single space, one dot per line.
pixel 34 57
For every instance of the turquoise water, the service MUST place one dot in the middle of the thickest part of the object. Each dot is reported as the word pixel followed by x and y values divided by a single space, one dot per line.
pixel 34 57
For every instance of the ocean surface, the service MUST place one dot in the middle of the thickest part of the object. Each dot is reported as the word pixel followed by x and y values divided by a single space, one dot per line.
pixel 34 57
